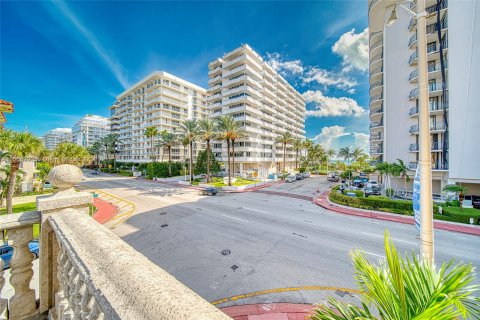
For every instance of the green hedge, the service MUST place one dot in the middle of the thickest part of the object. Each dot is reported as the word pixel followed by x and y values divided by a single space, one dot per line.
pixel 372 203
pixel 358 193
pixel 160 169
pixel 455 214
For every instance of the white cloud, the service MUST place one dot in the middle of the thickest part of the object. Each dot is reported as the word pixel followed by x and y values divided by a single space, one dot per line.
pixel 332 106
pixel 309 74
pixel 278 63
pixel 353 48
pixel 90 41
pixel 362 141
pixel 329 136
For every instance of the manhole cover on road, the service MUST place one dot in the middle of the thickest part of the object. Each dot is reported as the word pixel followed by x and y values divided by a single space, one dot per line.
pixel 164 225
pixel 234 267
pixel 225 252
pixel 163 213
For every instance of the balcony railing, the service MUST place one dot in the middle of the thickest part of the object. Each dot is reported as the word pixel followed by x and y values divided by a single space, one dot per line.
pixel 376 150
pixel 431 88
pixel 413 22
pixel 376 85
pixel 375 137
pixel 434 146
pixel 73 283
pixel 376 98
pixel 412 39
pixel 376 45
pixel 376 124
pixel 376 71
pixel 433 127
pixel 431 9
pixel 376 58
pixel 413 57
pixel 432 107
pixel 435 165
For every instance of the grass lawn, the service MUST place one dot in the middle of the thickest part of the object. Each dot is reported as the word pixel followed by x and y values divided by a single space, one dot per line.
pixel 31 206
pixel 459 215
pixel 218 182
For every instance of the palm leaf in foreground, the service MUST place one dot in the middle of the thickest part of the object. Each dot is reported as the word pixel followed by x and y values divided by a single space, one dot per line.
pixel 406 289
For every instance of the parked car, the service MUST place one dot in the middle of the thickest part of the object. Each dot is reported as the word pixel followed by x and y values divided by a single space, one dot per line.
pixel 47 185
pixel 210 191
pixel 306 174
pixel 372 191
pixel 333 177
pixel 299 176
pixel 6 252
pixel 373 183
pixel 291 178
pixel 357 182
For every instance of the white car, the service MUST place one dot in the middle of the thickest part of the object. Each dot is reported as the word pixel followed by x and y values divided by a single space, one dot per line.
pixel 291 178
pixel 372 183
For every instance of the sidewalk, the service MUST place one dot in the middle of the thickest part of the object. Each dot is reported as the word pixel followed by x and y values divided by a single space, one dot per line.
pixel 271 311
pixel 322 201
pixel 105 210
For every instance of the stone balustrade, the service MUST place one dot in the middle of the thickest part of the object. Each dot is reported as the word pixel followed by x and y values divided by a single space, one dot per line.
pixel 86 272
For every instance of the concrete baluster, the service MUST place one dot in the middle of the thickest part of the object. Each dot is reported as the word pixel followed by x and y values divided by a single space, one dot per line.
pixel 22 304
pixel 3 302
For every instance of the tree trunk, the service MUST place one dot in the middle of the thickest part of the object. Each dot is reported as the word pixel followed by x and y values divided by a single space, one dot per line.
pixel 169 149
pixel 233 157
pixel 191 161
pixel 228 163
pixel 296 157
pixel 152 153
pixel 208 160
pixel 114 157
pixel 14 165
pixel 284 155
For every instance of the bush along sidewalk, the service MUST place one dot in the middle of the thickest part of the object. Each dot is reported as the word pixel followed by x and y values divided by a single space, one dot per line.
pixel 403 207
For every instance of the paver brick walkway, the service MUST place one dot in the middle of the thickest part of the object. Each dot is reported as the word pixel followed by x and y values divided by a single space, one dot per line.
pixel 272 311
pixel 105 210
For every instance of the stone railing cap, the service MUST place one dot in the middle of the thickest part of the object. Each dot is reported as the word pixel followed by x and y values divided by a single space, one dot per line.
pixel 13 221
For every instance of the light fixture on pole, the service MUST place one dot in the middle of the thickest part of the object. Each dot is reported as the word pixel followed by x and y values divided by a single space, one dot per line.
pixel 424 163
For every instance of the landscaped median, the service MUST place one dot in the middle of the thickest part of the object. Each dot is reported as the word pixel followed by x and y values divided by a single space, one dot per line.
pixel 402 207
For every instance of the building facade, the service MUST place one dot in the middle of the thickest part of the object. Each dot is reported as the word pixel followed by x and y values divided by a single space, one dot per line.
pixel 160 100
pixel 90 129
pixel 453 49
pixel 241 84
pixel 56 136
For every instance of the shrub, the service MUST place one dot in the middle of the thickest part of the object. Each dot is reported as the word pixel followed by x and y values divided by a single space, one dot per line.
pixel 456 214
pixel 161 169
pixel 302 169
pixel 201 165
pixel 358 193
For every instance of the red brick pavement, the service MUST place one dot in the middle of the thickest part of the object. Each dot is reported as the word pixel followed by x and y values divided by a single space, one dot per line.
pixel 105 210
pixel 272 311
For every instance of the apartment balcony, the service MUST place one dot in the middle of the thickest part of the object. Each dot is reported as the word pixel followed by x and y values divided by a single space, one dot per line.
pixel 413 39
pixel 431 69
pixel 376 124
pixel 376 100
pixel 376 71
pixel 215 81
pixel 376 45
pixel 376 58
pixel 433 108
pixel 214 88
pixel 72 280
pixel 217 70
pixel 413 23
pixel 377 110
pixel 413 57
pixel 436 166
pixel 432 88
pixel 217 96
pixel 438 127
pixel 376 137
pixel 376 150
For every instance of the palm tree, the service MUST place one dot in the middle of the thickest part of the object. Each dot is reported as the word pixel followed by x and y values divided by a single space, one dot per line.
pixel 387 169
pixel 190 132
pixel 111 141
pixel 307 144
pixel 237 132
pixel 285 138
pixel 168 140
pixel 70 153
pixel 151 133
pixel 19 145
pixel 407 289
pixel 96 149
pixel 401 169
pixel 5 178
pixel 330 154
pixel 298 144
pixel 207 131
pixel 346 153
pixel 357 154
pixel 225 126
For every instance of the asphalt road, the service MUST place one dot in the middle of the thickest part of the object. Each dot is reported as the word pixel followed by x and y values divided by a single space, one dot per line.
pixel 272 241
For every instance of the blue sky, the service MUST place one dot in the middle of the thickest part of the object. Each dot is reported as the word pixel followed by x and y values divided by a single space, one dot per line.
pixel 61 60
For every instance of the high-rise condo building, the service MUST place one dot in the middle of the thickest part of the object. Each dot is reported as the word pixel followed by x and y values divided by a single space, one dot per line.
pixel 453 49
pixel 160 100
pixel 241 84
pixel 90 129
pixel 56 136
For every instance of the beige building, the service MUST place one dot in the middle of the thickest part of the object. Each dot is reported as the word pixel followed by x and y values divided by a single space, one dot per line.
pixel 90 129
pixel 56 136
pixel 394 89
pixel 161 100
pixel 241 84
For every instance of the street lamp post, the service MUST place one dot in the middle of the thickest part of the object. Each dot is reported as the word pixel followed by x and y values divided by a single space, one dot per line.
pixel 424 163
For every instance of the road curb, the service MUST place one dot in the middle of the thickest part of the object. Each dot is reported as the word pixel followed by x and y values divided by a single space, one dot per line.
pixel 323 201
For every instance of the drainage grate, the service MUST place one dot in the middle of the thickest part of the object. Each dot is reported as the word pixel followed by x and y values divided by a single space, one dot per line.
pixel 225 252
pixel 164 225
pixel 300 235
pixel 234 267
pixel 163 213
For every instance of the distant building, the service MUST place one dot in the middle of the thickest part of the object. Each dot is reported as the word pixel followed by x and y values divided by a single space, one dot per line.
pixel 90 129
pixel 161 100
pixel 244 86
pixel 56 136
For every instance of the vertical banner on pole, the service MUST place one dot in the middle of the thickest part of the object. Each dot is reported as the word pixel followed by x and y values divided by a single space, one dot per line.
pixel 416 198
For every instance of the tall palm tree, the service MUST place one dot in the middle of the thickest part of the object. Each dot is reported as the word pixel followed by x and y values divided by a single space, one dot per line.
pixel 19 145
pixel 207 131
pixel 111 141
pixel 70 153
pixel 190 133
pixel 330 154
pixel 346 153
pixel 357 154
pixel 237 132
pixel 385 169
pixel 225 128
pixel 185 142
pixel 407 289
pixel 307 145
pixel 151 133
pixel 285 138
pixel 168 140
pixel 96 149
pixel 298 145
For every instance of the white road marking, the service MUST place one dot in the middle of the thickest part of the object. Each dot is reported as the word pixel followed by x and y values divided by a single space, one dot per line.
pixel 399 240
pixel 256 210
pixel 374 254
pixel 224 215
